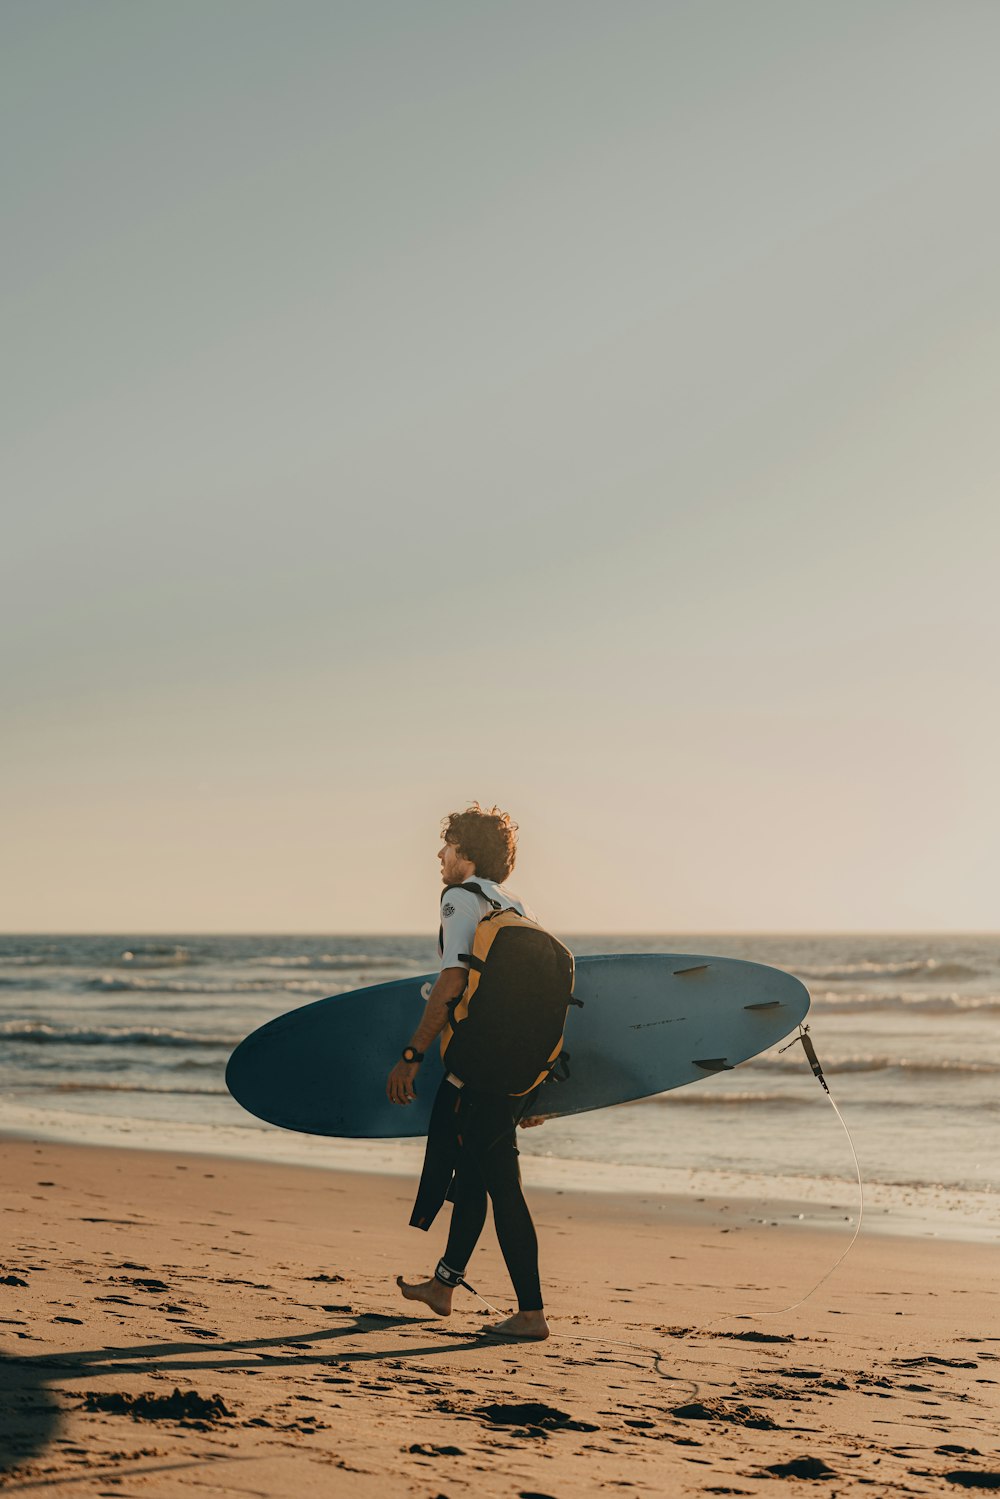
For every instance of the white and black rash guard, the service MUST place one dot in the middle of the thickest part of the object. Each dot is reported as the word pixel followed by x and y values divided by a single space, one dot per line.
pixel 461 913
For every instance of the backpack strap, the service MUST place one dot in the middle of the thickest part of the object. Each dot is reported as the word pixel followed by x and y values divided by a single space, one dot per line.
pixel 559 1072
pixel 476 890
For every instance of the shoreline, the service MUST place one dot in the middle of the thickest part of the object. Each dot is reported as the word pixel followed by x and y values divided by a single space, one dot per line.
pixel 265 1295
pixel 826 1204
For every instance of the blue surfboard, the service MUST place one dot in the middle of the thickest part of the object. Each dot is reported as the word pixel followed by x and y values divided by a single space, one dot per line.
pixel 650 1022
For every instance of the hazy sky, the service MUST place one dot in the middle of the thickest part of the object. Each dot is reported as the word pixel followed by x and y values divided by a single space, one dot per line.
pixel 587 407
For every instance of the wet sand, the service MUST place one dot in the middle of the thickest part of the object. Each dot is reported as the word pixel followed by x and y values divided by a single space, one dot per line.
pixel 176 1323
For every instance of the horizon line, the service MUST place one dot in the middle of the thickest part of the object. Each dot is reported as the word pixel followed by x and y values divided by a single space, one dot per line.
pixel 601 932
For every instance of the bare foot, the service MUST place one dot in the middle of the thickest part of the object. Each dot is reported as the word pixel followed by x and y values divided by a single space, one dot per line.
pixel 433 1293
pixel 530 1326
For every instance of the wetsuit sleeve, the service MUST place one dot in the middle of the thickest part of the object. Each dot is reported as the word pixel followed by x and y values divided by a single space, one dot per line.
pixel 459 919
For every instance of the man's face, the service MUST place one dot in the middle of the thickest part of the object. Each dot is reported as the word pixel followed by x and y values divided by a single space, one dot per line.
pixel 454 866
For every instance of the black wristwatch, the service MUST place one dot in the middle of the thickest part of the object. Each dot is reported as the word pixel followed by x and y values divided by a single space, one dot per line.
pixel 409 1055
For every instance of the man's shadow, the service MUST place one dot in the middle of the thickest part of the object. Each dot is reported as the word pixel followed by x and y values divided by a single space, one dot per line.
pixel 30 1417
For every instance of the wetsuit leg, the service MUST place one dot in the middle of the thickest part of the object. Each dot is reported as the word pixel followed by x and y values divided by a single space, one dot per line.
pixel 468 1216
pixel 490 1164
pixel 515 1229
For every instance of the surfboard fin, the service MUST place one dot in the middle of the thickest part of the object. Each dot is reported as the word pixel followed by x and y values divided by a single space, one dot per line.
pixel 768 1004
pixel 713 1064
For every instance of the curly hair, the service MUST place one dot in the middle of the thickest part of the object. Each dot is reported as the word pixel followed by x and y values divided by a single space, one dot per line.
pixel 487 838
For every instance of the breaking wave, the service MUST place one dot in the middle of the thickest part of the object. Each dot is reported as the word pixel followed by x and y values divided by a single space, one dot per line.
pixel 155 956
pixel 917 1004
pixel 334 961
pixel 137 1088
pixel 27 1032
pixel 707 1099
pixel 927 968
pixel 109 983
pixel 878 1064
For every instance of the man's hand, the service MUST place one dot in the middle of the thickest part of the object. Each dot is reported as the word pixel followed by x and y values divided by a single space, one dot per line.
pixel 399 1086
pixel 535 1119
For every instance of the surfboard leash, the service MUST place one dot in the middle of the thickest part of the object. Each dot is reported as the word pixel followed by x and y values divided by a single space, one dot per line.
pixel 817 1070
pixel 805 1039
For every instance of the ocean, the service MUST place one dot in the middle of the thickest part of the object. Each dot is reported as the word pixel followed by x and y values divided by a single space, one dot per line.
pixel 124 1040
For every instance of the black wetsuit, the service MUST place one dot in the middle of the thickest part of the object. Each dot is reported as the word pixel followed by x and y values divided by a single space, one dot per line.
pixel 471 1154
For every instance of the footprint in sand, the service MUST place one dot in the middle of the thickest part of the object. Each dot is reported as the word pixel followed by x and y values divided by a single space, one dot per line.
pixel 533 1416
pixel 758 1337
pixel 930 1358
pixel 801 1467
pixel 184 1407
pixel 968 1478
pixel 722 1410
pixel 141 1283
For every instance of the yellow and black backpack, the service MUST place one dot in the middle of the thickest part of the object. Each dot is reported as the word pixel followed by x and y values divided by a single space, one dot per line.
pixel 506 1030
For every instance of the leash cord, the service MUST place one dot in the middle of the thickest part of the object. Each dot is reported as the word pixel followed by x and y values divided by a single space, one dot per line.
pixel 657 1355
pixel 807 1047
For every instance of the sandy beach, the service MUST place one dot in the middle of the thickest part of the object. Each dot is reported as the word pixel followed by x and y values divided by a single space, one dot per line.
pixel 265 1296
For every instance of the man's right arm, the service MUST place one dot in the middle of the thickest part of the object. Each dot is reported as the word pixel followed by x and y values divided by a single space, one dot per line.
pixel 449 986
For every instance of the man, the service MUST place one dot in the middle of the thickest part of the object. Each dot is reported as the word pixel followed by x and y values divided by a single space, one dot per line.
pixel 471 1145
